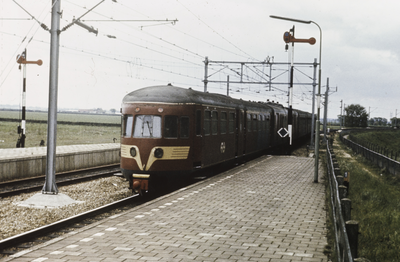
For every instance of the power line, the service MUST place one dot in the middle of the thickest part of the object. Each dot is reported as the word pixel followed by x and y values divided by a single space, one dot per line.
pixel 215 31
pixel 16 18
pixel 34 18
pixel 123 21
pixel 22 42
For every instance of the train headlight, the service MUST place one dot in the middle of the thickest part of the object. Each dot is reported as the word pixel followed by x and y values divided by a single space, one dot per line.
pixel 158 153
pixel 133 151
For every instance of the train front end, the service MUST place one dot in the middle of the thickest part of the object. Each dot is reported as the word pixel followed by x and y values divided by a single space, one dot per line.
pixel 155 143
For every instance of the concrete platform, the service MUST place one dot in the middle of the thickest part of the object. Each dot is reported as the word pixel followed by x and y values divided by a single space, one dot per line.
pixel 266 210
pixel 19 163
pixel 40 200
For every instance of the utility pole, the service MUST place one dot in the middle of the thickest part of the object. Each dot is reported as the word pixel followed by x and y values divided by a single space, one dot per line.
pixel 313 104
pixel 326 107
pixel 50 186
pixel 205 74
pixel 227 85
pixel 341 115
pixel 21 59
pixel 344 116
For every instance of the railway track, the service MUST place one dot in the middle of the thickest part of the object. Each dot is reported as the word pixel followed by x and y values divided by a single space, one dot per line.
pixel 25 241
pixel 16 187
pixel 33 237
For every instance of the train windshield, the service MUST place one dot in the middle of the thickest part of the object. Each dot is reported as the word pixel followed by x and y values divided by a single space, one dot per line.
pixel 147 126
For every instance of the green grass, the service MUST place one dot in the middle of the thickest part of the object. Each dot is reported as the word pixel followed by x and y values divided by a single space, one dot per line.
pixel 69 117
pixel 389 139
pixel 375 198
pixel 66 134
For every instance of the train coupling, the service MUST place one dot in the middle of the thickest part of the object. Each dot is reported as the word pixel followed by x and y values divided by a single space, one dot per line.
pixel 140 183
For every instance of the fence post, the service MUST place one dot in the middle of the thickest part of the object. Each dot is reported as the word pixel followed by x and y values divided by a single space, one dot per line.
pixel 342 192
pixel 336 171
pixel 352 234
pixel 340 180
pixel 335 163
pixel 346 209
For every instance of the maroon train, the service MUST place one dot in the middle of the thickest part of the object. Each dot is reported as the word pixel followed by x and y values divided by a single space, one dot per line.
pixel 169 131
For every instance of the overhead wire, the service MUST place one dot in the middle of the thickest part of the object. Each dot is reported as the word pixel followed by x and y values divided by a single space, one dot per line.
pixel 156 37
pixel 186 51
pixel 224 38
pixel 22 42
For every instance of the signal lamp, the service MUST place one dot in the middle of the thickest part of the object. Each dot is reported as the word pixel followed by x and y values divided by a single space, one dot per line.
pixel 133 152
pixel 158 153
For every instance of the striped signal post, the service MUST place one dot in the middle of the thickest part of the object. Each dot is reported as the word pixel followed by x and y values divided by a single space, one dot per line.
pixel 316 150
pixel 288 37
pixel 21 59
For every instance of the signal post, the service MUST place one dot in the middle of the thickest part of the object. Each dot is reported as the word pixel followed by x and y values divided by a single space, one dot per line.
pixel 21 59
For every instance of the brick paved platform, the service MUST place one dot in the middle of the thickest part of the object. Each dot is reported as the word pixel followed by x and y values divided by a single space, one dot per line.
pixel 266 210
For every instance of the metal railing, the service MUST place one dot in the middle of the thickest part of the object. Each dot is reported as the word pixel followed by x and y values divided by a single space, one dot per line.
pixel 342 245
pixel 378 159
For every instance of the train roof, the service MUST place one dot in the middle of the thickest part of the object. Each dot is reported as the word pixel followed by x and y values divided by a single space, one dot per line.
pixel 175 95
pixel 170 94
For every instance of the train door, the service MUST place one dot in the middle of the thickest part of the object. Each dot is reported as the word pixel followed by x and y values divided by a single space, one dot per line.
pixel 240 137
pixel 198 143
pixel 268 129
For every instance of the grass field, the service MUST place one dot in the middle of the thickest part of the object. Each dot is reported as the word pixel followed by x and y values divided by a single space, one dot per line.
pixel 389 139
pixel 375 198
pixel 66 134
pixel 68 117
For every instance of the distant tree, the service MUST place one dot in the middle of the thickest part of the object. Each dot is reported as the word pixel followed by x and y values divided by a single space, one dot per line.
pixel 112 110
pixel 395 121
pixel 371 121
pixel 100 111
pixel 378 121
pixel 356 116
pixel 341 119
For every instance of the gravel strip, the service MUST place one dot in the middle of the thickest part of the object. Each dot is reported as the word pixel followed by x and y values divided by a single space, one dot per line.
pixel 15 220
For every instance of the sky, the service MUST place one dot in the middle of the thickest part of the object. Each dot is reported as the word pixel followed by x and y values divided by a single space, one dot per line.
pixel 156 42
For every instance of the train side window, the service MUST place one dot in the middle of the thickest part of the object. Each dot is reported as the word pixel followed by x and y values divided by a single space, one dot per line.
pixel 198 122
pixel 265 122
pixel 277 124
pixel 171 127
pixel 254 123
pixel 127 126
pixel 207 122
pixel 184 127
pixel 248 122
pixel 214 122
pixel 148 126
pixel 231 123
pixel 260 123
pixel 223 123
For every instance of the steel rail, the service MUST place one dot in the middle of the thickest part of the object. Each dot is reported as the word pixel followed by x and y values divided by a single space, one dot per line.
pixel 64 176
pixel 41 231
